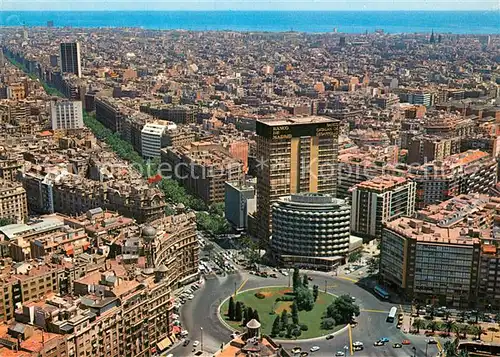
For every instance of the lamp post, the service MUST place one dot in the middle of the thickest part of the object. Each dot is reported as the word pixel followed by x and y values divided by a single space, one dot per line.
pixel 426 346
pixel 414 351
pixel 346 349
pixel 201 339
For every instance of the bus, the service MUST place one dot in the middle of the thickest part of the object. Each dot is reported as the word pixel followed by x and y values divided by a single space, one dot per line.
pixel 381 292
pixel 392 314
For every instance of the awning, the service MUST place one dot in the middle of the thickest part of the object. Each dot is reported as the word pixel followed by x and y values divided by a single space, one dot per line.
pixel 164 344
pixel 176 330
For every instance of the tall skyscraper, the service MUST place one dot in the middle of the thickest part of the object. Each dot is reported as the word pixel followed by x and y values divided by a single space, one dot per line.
pixel 66 114
pixel 294 155
pixel 70 58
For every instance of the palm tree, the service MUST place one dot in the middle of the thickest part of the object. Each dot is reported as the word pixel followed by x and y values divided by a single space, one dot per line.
pixel 447 315
pixel 477 331
pixel 433 325
pixel 418 324
pixel 449 349
pixel 464 329
pixel 448 325
pixel 456 329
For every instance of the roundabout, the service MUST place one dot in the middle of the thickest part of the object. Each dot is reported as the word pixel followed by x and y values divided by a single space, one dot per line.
pixel 202 319
pixel 272 303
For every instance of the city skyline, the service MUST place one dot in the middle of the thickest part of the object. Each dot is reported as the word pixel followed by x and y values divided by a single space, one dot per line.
pixel 270 5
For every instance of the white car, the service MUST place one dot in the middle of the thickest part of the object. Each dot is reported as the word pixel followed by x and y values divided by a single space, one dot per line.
pixel 191 297
pixel 314 348
pixel 357 344
pixel 339 354
pixel 196 343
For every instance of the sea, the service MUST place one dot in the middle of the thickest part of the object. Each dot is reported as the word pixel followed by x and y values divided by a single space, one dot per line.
pixel 456 22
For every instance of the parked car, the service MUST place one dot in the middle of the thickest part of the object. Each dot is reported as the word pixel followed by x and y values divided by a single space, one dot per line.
pixel 186 342
pixel 330 336
pixel 196 343
pixel 314 348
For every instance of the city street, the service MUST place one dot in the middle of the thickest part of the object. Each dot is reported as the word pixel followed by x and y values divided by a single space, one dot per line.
pixel 201 312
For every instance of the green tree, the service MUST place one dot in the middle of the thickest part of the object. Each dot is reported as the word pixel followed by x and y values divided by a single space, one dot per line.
pixel 449 326
pixel 432 325
pixel 477 331
pixel 342 309
pixel 296 331
pixel 328 323
pixel 315 292
pixel 238 314
pixel 295 314
pixel 449 349
pixel 304 299
pixel 231 309
pixel 354 256
pixel 284 319
pixel 464 329
pixel 256 315
pixel 4 221
pixel 463 353
pixel 296 279
pixel 247 315
pixel 276 327
pixel 305 281
pixel 418 324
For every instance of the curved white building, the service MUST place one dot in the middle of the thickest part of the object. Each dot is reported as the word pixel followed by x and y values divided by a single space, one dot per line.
pixel 310 230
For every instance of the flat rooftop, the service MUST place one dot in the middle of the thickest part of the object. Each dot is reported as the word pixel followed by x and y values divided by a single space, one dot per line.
pixel 311 119
pixel 381 183
pixel 430 233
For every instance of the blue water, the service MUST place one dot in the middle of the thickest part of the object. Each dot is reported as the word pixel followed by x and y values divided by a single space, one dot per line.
pixel 459 22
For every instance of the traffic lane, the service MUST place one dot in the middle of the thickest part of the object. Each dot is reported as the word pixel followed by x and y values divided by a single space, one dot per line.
pixel 202 312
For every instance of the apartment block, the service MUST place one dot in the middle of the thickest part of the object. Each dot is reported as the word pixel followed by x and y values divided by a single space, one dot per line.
pixel 66 115
pixel 431 264
pixel 202 168
pixel 379 200
pixel 468 172
pixel 13 202
pixel 153 137
pixel 295 155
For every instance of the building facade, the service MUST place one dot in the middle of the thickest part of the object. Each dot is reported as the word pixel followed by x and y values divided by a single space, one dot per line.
pixel 380 200
pixel 70 58
pixel 13 202
pixel 66 114
pixel 310 230
pixel 431 264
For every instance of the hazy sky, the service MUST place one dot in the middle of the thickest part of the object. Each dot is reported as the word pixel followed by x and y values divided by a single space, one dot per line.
pixel 6 5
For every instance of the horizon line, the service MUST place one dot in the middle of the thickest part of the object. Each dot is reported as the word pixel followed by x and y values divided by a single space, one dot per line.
pixel 240 10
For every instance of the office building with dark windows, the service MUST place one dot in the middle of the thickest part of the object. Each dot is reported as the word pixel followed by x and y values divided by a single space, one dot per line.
pixel 70 58
pixel 294 155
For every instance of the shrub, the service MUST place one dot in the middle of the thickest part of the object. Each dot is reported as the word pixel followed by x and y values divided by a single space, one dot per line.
pixel 328 323
pixel 304 327
pixel 260 296
pixel 281 334
pixel 278 299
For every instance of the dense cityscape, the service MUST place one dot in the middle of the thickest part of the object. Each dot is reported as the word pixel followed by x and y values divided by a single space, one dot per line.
pixel 221 193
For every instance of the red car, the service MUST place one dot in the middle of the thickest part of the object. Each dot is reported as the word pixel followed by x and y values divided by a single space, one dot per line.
pixel 406 342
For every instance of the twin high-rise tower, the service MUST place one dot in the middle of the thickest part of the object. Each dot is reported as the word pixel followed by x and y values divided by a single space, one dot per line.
pixel 294 155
